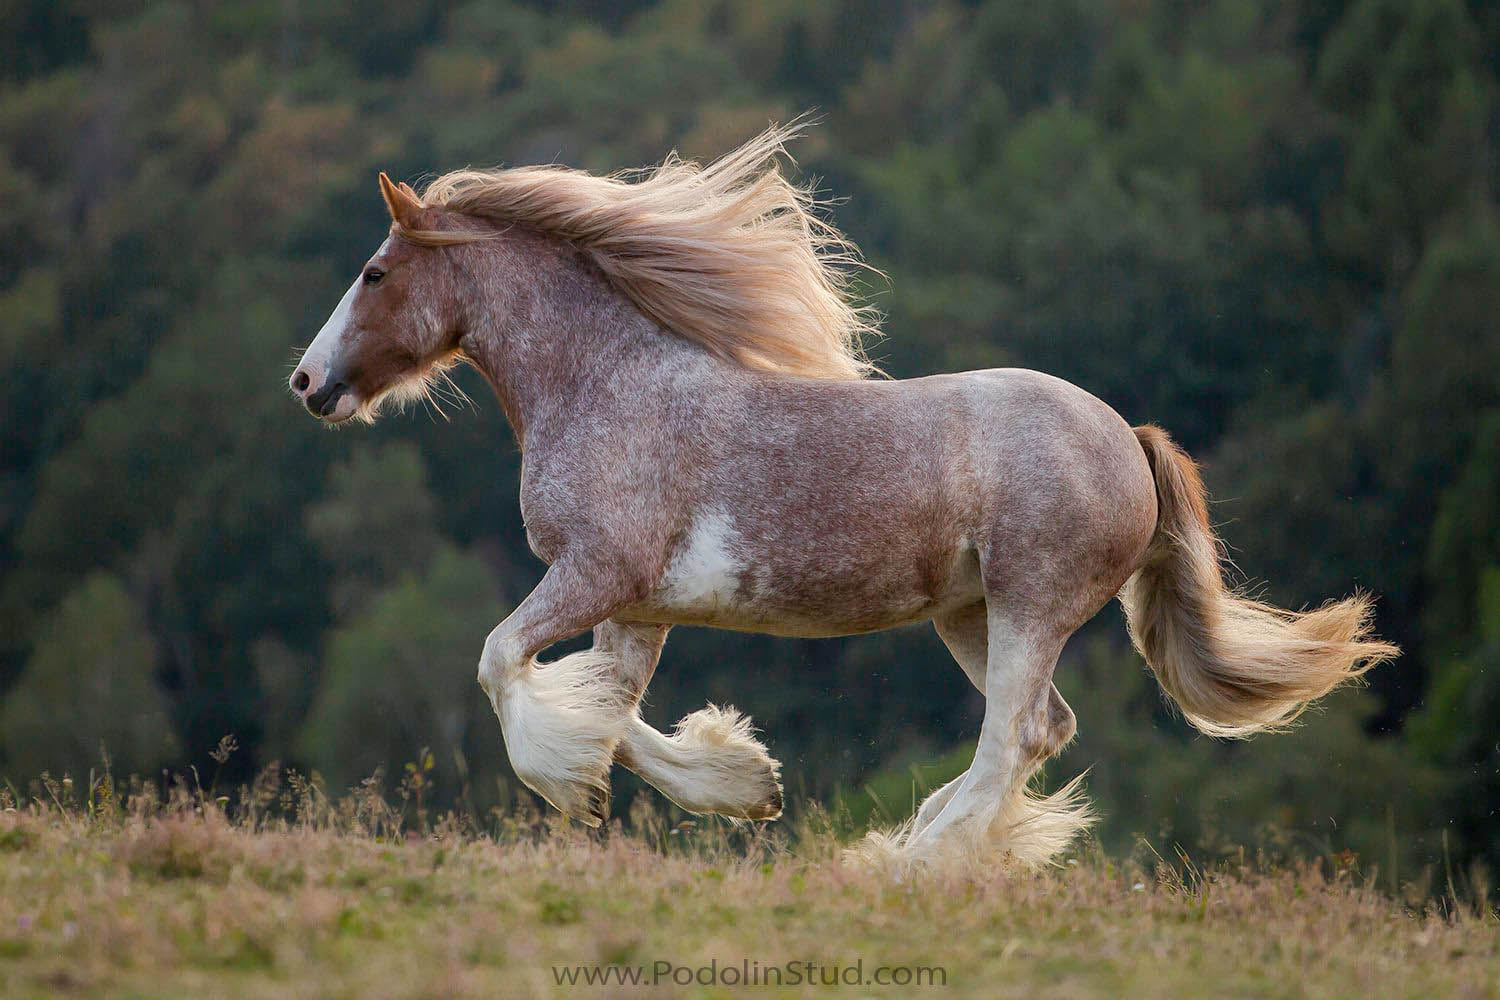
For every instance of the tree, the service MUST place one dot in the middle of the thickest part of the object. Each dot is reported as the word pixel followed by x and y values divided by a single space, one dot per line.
pixel 400 675
pixel 375 522
pixel 89 688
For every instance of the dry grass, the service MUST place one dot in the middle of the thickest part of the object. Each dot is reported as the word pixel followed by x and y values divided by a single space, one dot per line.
pixel 291 895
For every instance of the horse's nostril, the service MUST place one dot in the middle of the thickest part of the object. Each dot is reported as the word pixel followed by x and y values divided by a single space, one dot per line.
pixel 300 381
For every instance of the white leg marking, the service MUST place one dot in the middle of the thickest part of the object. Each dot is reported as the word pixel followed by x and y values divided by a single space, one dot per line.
pixel 562 721
pixel 989 777
pixel 934 803
pixel 712 763
pixel 987 814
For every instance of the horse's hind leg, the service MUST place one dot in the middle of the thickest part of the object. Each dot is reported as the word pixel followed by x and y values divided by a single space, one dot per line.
pixel 1025 721
pixel 1043 733
pixel 1047 729
pixel 966 635
pixel 712 763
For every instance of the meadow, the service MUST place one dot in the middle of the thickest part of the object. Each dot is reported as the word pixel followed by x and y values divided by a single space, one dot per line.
pixel 283 892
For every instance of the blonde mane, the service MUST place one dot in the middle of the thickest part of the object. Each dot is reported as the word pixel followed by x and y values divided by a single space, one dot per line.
pixel 732 255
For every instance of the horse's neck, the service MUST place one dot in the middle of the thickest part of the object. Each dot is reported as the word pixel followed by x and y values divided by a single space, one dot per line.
pixel 556 342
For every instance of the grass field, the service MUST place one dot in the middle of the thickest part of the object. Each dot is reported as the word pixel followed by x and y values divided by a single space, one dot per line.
pixel 152 899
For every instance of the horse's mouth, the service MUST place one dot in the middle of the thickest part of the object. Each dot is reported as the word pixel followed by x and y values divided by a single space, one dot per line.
pixel 334 404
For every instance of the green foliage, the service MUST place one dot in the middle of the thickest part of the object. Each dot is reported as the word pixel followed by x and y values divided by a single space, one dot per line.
pixel 399 677
pixel 1270 228
pixel 89 685
pixel 376 520
pixel 1465 547
pixel 894 792
pixel 1321 788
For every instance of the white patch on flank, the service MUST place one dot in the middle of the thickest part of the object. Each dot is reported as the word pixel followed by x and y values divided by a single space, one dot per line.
pixel 704 574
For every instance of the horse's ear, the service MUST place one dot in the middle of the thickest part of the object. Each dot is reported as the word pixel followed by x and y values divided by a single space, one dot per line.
pixel 402 201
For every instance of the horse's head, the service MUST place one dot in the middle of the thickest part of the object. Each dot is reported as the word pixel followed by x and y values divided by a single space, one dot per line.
pixel 397 325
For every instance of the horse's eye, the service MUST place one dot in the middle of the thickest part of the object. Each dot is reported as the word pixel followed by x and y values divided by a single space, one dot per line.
pixel 373 276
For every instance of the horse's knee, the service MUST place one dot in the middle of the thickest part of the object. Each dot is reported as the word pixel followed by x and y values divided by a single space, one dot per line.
pixel 1046 731
pixel 499 662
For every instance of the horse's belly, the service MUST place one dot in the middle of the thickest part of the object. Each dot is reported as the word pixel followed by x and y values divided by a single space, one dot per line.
pixel 717 579
pixel 788 621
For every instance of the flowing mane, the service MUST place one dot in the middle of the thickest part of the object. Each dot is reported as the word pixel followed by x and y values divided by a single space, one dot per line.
pixel 732 255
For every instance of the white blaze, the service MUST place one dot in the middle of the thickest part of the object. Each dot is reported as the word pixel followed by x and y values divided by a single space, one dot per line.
pixel 324 350
pixel 319 355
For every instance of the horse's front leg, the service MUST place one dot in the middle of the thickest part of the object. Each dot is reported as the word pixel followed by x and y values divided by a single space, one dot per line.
pixel 712 763
pixel 562 720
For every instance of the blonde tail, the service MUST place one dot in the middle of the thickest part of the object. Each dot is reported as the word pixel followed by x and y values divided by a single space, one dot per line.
pixel 1234 666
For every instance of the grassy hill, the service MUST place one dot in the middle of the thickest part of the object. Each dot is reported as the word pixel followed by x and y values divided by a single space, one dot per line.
pixel 336 899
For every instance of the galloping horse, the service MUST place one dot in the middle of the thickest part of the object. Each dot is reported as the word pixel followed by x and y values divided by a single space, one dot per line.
pixel 705 443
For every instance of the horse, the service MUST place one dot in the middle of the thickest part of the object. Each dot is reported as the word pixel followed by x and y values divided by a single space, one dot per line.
pixel 704 441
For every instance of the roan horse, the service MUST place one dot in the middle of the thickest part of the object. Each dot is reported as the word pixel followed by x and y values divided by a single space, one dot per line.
pixel 704 443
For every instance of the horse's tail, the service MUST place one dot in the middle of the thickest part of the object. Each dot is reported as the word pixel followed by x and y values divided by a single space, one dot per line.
pixel 1232 665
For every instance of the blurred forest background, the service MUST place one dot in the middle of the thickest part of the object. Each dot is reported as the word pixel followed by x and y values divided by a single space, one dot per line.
pixel 1269 226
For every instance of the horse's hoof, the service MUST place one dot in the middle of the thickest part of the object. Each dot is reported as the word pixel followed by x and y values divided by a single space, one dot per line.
pixel 771 807
pixel 731 773
pixel 583 803
pixel 597 807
